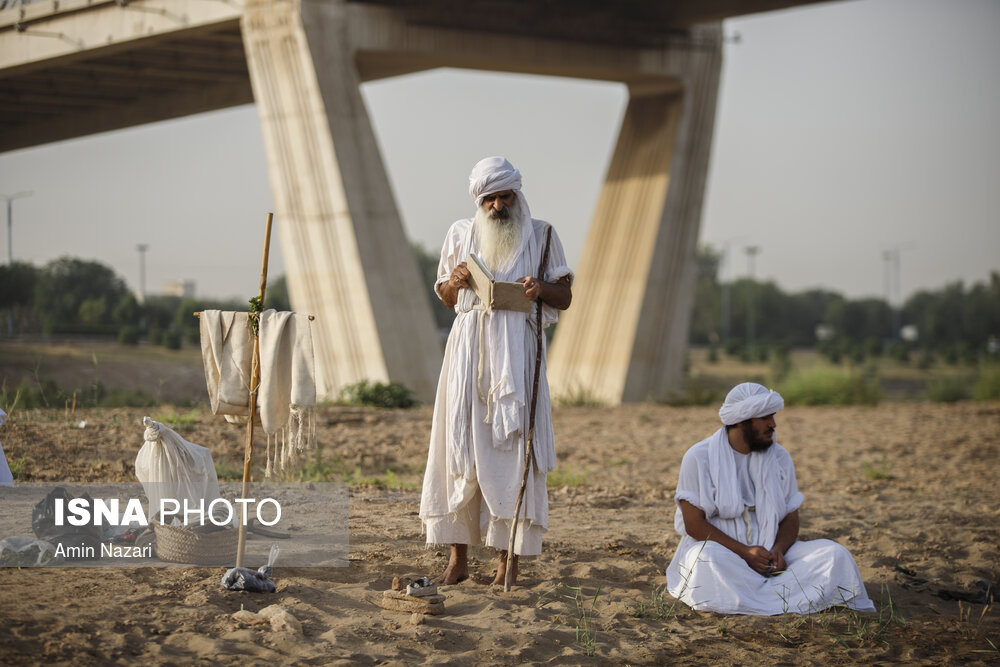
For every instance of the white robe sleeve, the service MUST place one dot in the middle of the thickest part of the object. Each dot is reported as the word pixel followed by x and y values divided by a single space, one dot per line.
pixel 555 269
pixel 451 253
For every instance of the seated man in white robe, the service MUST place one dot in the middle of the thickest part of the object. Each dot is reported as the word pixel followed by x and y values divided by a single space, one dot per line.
pixel 738 516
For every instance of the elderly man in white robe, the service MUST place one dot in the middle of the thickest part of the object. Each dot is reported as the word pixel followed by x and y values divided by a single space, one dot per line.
pixel 481 413
pixel 738 516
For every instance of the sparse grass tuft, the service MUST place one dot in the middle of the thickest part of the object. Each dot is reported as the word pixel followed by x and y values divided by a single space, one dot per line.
pixel 227 470
pixel 578 397
pixel 880 472
pixel 179 421
pixel 315 469
pixel 848 627
pixel 581 613
pixel 18 465
pixel 566 477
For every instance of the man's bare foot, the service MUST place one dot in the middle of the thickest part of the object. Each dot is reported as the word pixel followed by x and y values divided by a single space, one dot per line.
pixel 458 566
pixel 451 576
pixel 502 571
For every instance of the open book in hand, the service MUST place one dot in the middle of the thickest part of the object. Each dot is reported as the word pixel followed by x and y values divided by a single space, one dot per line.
pixel 496 294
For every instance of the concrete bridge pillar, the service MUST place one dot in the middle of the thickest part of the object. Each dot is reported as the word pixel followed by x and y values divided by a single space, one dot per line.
pixel 625 337
pixel 346 254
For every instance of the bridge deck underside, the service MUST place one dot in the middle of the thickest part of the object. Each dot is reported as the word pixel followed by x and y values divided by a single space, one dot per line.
pixel 128 84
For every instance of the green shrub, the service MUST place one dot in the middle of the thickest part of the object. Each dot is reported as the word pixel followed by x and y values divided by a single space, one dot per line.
pixel 831 387
pixel 378 394
pixel 900 352
pixel 696 393
pixel 128 335
pixel 171 339
pixel 987 387
pixel 192 336
pixel 713 354
pixel 781 363
pixel 948 389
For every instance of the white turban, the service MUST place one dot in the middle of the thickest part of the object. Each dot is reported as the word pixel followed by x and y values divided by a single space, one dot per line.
pixel 490 175
pixel 749 400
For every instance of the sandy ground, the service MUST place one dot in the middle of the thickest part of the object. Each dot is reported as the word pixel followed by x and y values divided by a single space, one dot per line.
pixel 925 533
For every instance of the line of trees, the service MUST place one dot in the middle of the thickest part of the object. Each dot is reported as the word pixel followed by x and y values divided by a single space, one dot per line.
pixel 75 296
pixel 71 296
pixel 955 322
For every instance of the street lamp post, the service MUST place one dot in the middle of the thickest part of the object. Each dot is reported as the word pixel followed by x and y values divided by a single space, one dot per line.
pixel 142 248
pixel 751 334
pixel 10 246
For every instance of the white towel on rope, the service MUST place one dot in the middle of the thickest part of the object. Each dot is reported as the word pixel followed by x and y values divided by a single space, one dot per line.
pixel 226 352
pixel 288 369
pixel 287 393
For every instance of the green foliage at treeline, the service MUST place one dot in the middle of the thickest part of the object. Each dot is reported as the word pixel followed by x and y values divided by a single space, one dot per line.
pixel 955 323
pixel 75 296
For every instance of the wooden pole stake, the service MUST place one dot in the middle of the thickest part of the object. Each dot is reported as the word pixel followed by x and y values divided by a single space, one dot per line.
pixel 252 409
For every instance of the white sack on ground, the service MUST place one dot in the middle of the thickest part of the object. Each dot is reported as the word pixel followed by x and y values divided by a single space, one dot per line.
pixel 171 467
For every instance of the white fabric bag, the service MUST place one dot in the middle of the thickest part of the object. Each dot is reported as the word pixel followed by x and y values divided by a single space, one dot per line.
pixel 171 467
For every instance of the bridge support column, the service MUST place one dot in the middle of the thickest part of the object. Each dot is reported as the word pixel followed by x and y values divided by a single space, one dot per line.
pixel 346 254
pixel 625 337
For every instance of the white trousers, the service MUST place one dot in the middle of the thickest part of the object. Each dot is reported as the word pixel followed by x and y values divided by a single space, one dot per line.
pixel 472 524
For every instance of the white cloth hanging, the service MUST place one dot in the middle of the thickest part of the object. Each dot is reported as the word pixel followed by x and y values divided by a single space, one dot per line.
pixel 226 352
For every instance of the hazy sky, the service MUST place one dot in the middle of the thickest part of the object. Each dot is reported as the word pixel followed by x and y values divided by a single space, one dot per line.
pixel 843 130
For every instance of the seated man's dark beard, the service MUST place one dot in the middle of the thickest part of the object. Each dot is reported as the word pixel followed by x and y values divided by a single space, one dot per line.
pixel 755 442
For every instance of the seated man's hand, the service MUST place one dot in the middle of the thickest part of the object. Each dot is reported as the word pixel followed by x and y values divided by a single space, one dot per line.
pixel 759 559
pixel 778 563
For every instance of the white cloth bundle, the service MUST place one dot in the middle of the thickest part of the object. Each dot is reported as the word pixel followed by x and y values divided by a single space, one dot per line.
pixel 226 352
pixel 171 467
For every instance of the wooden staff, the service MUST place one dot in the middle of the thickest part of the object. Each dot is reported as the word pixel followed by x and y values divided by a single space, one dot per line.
pixel 529 449
pixel 254 384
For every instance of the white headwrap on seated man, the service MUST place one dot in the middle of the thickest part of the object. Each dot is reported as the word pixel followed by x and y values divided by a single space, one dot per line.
pixel 749 400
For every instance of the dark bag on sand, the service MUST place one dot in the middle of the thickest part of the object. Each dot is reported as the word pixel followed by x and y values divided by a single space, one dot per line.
pixel 73 542
pixel 254 581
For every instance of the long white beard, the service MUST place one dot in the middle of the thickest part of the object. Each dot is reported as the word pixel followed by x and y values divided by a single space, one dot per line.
pixel 499 239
